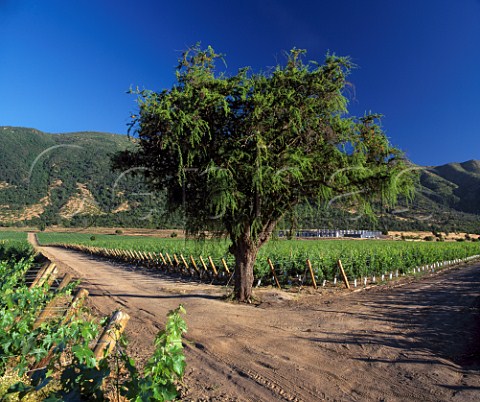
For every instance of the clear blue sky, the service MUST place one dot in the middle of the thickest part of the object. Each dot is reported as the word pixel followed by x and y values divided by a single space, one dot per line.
pixel 66 65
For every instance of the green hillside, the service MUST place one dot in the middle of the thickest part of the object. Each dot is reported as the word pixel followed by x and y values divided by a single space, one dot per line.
pixel 446 199
pixel 464 181
pixel 66 179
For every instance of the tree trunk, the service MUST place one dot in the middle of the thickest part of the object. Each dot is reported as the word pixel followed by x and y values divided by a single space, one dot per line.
pixel 245 253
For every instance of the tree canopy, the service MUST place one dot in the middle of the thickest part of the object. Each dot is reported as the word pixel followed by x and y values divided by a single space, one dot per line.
pixel 241 151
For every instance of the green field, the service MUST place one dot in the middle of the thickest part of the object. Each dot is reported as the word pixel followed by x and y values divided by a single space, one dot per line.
pixel 13 236
pixel 14 245
pixel 360 258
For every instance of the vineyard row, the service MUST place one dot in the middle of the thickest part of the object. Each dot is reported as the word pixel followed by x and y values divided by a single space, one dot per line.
pixel 221 271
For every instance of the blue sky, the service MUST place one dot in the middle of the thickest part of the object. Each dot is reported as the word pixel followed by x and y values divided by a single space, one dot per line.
pixel 66 65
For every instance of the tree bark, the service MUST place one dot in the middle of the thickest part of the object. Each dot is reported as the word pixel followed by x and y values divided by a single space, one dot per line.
pixel 245 253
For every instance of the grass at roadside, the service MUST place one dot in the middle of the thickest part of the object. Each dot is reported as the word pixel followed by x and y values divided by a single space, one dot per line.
pixel 14 245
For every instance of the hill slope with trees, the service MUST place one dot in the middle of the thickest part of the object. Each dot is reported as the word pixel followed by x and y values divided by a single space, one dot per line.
pixel 66 179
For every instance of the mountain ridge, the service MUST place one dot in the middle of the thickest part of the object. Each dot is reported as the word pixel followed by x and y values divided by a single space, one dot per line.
pixel 31 162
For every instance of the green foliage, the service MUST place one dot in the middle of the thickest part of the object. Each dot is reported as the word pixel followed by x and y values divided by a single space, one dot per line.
pixel 19 307
pixel 240 152
pixel 360 258
pixel 213 247
pixel 42 171
pixel 164 368
pixel 449 193
pixel 14 246
pixel 22 345
pixel 249 147
pixel 85 377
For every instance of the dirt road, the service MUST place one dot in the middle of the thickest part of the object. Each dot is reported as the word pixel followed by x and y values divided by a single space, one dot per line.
pixel 418 342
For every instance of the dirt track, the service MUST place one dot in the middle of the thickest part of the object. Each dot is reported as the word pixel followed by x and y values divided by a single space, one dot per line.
pixel 419 341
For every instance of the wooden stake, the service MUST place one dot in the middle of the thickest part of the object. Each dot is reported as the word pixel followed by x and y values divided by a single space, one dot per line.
pixel 52 310
pixel 131 256
pixel 309 265
pixel 203 264
pixel 176 259
pixel 65 281
pixel 273 272
pixel 184 262
pixel 225 265
pixel 111 334
pixel 76 304
pixel 169 260
pixel 194 265
pixel 43 275
pixel 344 276
pixel 163 259
pixel 40 273
pixel 214 268
pixel 53 275
pixel 151 257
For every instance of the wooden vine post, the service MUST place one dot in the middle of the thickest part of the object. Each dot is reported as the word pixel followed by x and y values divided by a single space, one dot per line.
pixel 67 278
pixel 152 259
pixel 43 275
pixel 76 304
pixel 111 334
pixel 53 308
pixel 163 259
pixel 203 264
pixel 214 268
pixel 273 272
pixel 344 276
pixel 225 265
pixel 185 263
pixel 309 265
pixel 194 264
pixel 51 277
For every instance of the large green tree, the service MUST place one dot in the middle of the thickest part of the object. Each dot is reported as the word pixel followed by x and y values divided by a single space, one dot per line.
pixel 241 151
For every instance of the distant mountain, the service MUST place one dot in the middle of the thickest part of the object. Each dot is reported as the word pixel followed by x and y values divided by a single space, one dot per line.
pixel 456 185
pixel 66 179
pixel 447 198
